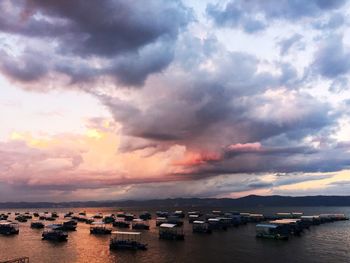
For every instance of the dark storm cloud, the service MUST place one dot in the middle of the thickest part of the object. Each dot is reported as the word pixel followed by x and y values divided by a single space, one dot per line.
pixel 276 161
pixel 109 27
pixel 131 40
pixel 259 14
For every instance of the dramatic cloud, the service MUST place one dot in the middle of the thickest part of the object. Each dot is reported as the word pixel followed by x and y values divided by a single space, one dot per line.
pixel 110 38
pixel 232 98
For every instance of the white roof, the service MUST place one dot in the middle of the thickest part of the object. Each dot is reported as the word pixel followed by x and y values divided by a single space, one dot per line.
pixel 256 215
pixel 284 221
pixel 161 218
pixel 126 233
pixel 97 223
pixel 194 216
pixel 214 219
pixel 6 223
pixel 198 222
pixel 138 220
pixel 266 226
pixel 54 226
pixel 167 225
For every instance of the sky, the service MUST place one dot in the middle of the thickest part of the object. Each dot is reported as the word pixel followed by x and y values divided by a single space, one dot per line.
pixel 116 100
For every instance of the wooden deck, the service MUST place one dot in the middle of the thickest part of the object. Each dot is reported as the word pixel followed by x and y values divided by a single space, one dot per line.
pixel 17 260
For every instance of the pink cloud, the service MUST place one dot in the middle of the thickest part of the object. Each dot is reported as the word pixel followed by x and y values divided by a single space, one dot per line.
pixel 245 147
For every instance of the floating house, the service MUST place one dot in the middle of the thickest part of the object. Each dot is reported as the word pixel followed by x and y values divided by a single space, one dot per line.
pixel 171 232
pixel 9 228
pixel 99 228
pixel 126 240
pixel 120 222
pixel 37 225
pixel 54 233
pixel 271 231
pixel 139 224
pixel 161 220
pixel 201 227
pixel 145 216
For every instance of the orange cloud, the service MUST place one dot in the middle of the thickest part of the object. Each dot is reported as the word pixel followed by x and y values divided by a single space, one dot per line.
pixel 197 158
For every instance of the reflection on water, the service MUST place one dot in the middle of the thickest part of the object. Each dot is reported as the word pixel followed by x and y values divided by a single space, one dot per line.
pixel 324 243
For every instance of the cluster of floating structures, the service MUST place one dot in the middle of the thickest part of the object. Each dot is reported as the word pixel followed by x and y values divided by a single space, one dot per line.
pixel 284 225
pixel 280 226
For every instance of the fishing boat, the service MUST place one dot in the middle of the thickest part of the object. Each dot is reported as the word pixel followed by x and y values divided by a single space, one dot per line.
pixel 54 215
pixel 192 218
pixel 161 220
pixel 99 228
pixel 171 232
pixel 292 226
pixel 145 216
pixel 98 216
pixel 175 220
pixel 69 225
pixel 216 224
pixel 21 218
pixel 162 214
pixel 201 227
pixel 129 217
pixel 256 218
pixel 284 215
pixel 9 228
pixel 179 214
pixel 127 241
pixel 139 224
pixel 109 219
pixel 69 214
pixel 54 233
pixel 37 225
pixel 3 217
pixel 271 231
pixel 120 222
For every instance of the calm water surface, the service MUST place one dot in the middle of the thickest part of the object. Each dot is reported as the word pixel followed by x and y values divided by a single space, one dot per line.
pixel 325 243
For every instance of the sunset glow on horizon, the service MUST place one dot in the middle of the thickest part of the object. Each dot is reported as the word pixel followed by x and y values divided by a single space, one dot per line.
pixel 120 100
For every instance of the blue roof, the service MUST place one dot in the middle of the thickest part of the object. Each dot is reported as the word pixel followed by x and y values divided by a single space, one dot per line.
pixel 266 225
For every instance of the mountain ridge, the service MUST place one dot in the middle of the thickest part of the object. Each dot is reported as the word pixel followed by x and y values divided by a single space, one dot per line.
pixel 246 201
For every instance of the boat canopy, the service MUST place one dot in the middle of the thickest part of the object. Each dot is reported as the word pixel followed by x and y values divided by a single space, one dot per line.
pixel 266 226
pixel 126 233
pixel 54 226
pixel 198 222
pixel 193 216
pixel 285 221
pixel 100 223
pixel 167 225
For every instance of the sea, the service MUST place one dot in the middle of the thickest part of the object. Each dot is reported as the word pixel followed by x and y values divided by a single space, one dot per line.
pixel 320 244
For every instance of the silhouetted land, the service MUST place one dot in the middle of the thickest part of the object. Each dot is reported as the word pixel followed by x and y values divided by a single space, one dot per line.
pixel 247 201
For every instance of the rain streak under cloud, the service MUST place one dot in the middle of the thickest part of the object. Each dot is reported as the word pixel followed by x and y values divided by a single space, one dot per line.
pixel 125 100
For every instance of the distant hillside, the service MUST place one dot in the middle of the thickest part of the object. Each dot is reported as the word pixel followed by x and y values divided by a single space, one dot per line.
pixel 247 201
